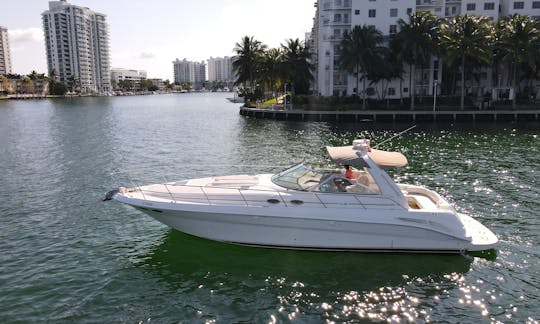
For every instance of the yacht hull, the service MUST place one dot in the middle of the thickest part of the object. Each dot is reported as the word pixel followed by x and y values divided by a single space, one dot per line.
pixel 329 229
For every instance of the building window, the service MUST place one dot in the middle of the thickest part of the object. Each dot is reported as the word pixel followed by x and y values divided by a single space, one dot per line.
pixel 471 6
pixel 357 12
pixel 372 13
pixel 391 91
pixel 489 6
pixel 519 5
pixel 536 4
pixel 393 12
pixel 409 11
pixel 393 29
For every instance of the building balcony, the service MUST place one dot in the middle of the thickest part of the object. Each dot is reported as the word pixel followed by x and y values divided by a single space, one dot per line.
pixel 339 22
pixel 333 38
pixel 337 5
pixel 429 3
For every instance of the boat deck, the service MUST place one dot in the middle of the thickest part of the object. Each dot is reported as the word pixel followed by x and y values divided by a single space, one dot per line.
pixel 255 197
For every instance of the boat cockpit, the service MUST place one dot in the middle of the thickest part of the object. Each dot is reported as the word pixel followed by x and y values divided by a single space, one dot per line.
pixel 305 178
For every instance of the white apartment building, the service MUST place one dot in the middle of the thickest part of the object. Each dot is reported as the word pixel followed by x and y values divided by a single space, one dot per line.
pixel 335 17
pixel 5 57
pixel 220 69
pixel 191 73
pixel 77 42
pixel 118 75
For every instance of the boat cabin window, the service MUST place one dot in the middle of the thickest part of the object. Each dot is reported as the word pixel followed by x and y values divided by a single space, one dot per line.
pixel 304 178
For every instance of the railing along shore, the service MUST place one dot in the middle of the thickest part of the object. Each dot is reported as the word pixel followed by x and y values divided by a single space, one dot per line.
pixel 394 115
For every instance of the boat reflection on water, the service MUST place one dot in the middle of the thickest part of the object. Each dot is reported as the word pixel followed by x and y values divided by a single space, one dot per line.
pixel 181 256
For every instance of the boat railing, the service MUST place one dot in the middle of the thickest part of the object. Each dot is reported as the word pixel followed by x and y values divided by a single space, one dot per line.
pixel 228 196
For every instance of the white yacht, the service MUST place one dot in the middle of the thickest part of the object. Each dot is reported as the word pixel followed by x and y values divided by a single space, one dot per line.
pixel 315 209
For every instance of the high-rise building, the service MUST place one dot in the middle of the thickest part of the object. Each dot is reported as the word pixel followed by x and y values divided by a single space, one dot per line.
pixel 220 69
pixel 77 42
pixel 192 74
pixel 5 58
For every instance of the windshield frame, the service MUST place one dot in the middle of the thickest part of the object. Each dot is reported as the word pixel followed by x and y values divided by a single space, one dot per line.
pixel 290 178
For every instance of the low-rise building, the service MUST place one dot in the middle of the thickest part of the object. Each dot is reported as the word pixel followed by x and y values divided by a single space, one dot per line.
pixel 126 78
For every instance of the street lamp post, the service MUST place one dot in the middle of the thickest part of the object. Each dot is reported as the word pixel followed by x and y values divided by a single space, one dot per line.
pixel 284 96
pixel 434 95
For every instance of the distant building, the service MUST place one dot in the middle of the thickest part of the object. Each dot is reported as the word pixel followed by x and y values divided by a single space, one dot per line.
pixel 77 43
pixel 189 74
pixel 220 69
pixel 5 58
pixel 334 18
pixel 158 83
pixel 134 76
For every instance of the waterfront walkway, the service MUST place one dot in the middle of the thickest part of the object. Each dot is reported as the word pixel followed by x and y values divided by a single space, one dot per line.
pixel 393 115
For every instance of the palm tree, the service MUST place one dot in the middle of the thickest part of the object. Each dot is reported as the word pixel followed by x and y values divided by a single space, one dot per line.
pixel 467 39
pixel 518 43
pixel 419 41
pixel 388 68
pixel 297 68
pixel 247 60
pixel 271 68
pixel 358 50
pixel 395 55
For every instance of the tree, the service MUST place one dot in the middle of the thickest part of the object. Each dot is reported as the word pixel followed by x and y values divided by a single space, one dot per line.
pixel 384 70
pixel 297 68
pixel 467 39
pixel 418 40
pixel 358 51
pixel 396 59
pixel 57 88
pixel 74 84
pixel 27 85
pixel 518 44
pixel 6 85
pixel 246 63
pixel 272 68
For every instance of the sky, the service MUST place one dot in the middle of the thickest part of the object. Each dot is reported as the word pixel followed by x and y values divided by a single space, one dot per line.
pixel 149 35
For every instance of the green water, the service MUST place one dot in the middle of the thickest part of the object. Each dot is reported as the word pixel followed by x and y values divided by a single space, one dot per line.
pixel 66 256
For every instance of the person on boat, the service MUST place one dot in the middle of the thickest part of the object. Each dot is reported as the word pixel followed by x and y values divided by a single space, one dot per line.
pixel 349 174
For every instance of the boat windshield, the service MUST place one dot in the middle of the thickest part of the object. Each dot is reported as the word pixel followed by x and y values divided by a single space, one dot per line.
pixel 302 177
pixel 299 177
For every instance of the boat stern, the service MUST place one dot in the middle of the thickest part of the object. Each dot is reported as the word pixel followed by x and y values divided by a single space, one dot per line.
pixel 482 238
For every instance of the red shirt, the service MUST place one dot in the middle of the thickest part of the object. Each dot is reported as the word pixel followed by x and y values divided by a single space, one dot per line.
pixel 349 174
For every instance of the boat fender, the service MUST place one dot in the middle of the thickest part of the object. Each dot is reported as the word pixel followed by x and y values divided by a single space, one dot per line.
pixel 109 195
